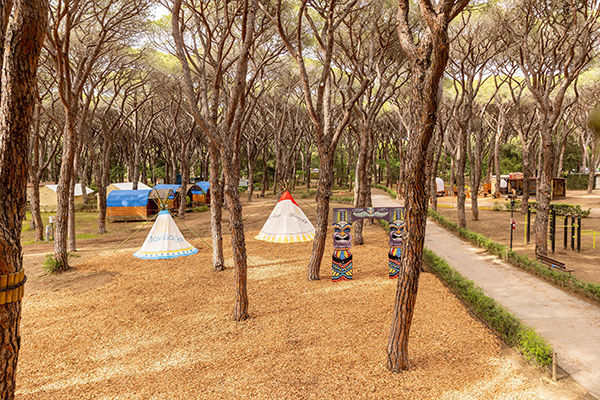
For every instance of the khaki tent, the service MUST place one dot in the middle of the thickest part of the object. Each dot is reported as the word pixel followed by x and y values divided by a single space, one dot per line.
pixel 48 197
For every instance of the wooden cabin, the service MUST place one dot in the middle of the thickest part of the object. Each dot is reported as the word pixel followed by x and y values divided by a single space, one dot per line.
pixel 515 182
pixel 135 205
pixel 195 195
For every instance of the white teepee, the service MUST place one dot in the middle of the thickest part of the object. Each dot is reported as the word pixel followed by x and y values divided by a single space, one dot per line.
pixel 164 240
pixel 287 223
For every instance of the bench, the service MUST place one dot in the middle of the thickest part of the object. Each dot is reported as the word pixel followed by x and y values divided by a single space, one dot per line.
pixel 552 263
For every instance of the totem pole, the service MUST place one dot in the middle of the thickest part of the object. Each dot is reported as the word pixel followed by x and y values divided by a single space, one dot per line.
pixel 396 237
pixel 342 258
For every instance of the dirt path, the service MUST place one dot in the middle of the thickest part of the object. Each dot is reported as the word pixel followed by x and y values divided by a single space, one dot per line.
pixel 571 325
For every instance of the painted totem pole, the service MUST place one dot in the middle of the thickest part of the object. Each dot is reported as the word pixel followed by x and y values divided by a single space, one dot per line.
pixel 342 241
pixel 342 238
pixel 396 237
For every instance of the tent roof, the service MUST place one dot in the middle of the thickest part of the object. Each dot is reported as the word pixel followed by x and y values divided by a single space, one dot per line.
pixel 78 191
pixel 129 186
pixel 128 198
pixel 203 185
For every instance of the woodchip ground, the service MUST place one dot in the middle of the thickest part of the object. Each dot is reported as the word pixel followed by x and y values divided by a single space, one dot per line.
pixel 116 327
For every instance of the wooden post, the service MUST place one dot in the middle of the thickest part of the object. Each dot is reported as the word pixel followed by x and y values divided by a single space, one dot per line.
pixel 565 228
pixel 554 366
pixel 578 234
pixel 572 233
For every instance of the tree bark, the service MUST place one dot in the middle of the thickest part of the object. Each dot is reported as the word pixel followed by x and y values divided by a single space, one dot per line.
pixel 63 191
pixel 20 44
pixel 323 198
pixel 216 210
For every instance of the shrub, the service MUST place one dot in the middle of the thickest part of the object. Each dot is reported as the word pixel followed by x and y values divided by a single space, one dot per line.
pixel 561 208
pixel 200 209
pixel 554 276
pixel 51 264
pixel 510 328
pixel 389 191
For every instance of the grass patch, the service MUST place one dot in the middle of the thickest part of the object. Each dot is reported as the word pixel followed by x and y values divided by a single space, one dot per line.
pixel 343 199
pixel 511 329
pixel 308 193
pixel 200 209
pixel 51 264
pixel 558 278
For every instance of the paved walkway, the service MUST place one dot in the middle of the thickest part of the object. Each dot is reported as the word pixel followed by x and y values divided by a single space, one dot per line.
pixel 571 325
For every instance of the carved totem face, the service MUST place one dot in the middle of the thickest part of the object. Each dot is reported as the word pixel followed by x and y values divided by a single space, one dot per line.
pixel 396 233
pixel 342 238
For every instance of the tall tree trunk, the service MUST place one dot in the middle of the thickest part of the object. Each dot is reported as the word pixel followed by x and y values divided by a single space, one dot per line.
pixel 544 192
pixel 63 190
pixel 20 44
pixel 34 177
pixel 526 176
pixel 71 240
pixel 185 178
pixel 361 188
pixel 307 159
pixel 265 177
pixel 238 239
pixel 216 210
pixel 323 198
pixel 102 177
pixel 136 165
pixel 460 179
pixel 250 160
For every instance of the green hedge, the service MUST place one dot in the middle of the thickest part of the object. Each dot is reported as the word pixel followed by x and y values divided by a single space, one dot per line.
pixel 389 191
pixel 512 330
pixel 562 279
pixel 561 208
pixel 577 182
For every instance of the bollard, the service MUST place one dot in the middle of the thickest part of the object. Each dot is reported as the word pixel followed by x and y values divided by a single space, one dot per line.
pixel 48 233
pixel 528 223
pixel 572 233
pixel 565 228
pixel 578 234
pixel 554 366
pixel 553 229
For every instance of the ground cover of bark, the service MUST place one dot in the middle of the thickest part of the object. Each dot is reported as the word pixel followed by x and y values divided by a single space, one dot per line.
pixel 121 328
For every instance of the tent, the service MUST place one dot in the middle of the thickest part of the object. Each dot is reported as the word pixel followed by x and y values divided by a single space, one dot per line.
pixel 287 223
pixel 48 197
pixel 164 240
pixel 205 187
pixel 195 196
pixel 134 205
pixel 126 186
pixel 440 187
pixel 173 197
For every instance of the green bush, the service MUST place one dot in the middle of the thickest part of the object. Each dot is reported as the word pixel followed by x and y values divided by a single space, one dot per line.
pixel 561 208
pixel 200 209
pixel 512 330
pixel 577 182
pixel 51 264
pixel 559 278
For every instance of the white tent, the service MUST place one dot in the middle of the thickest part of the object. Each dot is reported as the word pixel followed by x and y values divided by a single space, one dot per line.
pixel 287 223
pixel 78 191
pixel 128 186
pixel 439 183
pixel 164 240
